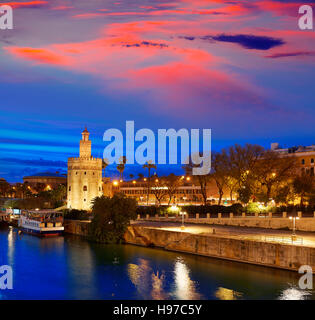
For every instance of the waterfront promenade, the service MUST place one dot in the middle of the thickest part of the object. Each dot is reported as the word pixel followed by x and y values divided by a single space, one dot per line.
pixel 246 233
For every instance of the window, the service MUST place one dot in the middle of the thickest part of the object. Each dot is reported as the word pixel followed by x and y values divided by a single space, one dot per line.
pixel 84 188
pixel 312 161
pixel 303 161
pixel 69 188
pixel 76 173
pixel 84 199
pixel 85 172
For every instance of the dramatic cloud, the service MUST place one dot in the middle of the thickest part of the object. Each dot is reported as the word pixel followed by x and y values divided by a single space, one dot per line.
pixel 248 41
pixel 291 54
pixel 26 4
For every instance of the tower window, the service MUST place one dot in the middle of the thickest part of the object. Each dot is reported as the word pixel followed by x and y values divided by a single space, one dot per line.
pixel 312 160
pixel 69 188
pixel 76 173
pixel 85 172
pixel 303 161
pixel 84 199
pixel 85 188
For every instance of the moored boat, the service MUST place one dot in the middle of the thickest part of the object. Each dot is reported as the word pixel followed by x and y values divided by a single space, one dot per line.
pixel 42 223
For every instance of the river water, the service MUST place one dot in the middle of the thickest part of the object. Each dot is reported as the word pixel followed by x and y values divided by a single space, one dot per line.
pixel 70 267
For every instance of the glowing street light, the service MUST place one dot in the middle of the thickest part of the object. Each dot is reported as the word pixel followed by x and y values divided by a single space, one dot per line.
pixel 294 228
pixel 183 219
pixel 115 183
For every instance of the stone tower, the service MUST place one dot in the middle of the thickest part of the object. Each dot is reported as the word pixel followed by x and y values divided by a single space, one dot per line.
pixel 84 177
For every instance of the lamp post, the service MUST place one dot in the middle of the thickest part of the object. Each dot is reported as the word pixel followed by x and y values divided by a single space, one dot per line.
pixel 183 217
pixel 293 236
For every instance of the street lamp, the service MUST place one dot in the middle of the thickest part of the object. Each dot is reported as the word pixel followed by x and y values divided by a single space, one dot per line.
pixel 183 217
pixel 293 229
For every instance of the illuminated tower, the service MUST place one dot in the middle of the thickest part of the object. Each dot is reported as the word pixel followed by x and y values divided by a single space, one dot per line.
pixel 84 177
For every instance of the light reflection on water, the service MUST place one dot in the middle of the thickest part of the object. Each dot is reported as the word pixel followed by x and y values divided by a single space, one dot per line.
pixel 72 268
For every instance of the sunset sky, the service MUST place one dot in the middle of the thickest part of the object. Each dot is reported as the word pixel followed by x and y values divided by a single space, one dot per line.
pixel 240 68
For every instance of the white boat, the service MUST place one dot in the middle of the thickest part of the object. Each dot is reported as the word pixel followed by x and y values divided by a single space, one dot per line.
pixel 41 223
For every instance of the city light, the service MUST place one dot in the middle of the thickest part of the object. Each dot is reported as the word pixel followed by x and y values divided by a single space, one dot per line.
pixel 115 183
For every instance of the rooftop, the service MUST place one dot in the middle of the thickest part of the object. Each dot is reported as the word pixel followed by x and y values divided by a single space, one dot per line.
pixel 48 174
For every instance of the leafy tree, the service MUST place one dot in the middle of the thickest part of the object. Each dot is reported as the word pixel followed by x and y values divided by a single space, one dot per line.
pixel 271 172
pixel 244 194
pixel 242 162
pixel 39 187
pixel 283 195
pixel 5 188
pixel 111 217
pixel 303 185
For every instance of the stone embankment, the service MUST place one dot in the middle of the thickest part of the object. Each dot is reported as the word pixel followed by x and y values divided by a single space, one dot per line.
pixel 270 254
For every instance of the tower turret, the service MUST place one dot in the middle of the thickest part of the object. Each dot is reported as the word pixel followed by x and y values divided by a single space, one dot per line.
pixel 85 145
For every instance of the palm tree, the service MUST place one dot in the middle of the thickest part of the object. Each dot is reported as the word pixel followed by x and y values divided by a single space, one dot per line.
pixel 121 166
pixel 104 164
pixel 149 165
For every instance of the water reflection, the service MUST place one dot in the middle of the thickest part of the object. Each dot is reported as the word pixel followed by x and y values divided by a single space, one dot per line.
pixel 294 293
pixel 228 294
pixel 185 288
pixel 72 268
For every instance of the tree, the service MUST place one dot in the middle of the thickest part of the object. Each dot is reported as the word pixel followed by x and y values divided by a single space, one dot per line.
pixel 172 182
pixel 104 164
pixel 5 188
pixel 121 166
pixel 39 187
pixel 218 172
pixel 271 172
pixel 149 165
pixel 303 185
pixel 159 189
pixel 242 161
pixel 111 217
pixel 284 195
pixel 201 180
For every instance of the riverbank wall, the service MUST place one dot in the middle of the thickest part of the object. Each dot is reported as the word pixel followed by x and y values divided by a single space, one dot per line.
pixel 269 254
pixel 276 255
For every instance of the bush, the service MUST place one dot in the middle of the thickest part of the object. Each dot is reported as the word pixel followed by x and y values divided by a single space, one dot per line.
pixel 111 218
pixel 236 208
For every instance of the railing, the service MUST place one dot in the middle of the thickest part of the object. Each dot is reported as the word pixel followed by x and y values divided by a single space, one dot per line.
pixel 243 215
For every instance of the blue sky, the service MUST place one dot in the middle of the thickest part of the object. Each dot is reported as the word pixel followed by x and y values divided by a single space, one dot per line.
pixel 241 68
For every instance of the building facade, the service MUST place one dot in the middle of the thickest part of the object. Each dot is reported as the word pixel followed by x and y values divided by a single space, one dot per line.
pixel 186 194
pixel 51 180
pixel 305 156
pixel 84 177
